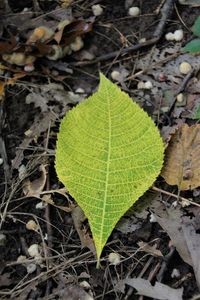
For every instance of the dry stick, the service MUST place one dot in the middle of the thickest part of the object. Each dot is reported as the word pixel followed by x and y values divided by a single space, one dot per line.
pixel 165 11
pixel 48 223
pixel 175 196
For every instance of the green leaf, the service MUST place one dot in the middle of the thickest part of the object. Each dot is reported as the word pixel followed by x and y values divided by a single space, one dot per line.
pixel 196 27
pixel 109 152
pixel 197 114
pixel 192 47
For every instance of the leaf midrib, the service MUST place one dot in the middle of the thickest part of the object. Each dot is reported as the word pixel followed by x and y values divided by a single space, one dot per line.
pixel 107 173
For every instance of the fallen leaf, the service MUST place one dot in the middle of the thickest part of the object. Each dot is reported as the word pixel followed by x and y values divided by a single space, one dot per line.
pixel 145 247
pixel 192 239
pixel 68 34
pixel 182 164
pixel 159 290
pixel 35 187
pixel 107 163
pixel 170 220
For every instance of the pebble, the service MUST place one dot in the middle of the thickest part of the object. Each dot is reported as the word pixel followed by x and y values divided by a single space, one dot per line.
pixel 84 284
pixel 33 250
pixel 152 218
pixel 41 205
pixel 29 68
pixel 176 36
pixel 116 75
pixel 97 10
pixel 114 258
pixel 180 97
pixel 31 268
pixel 148 85
pixel 169 36
pixel 31 225
pixel 175 273
pixel 185 68
pixel 142 40
pixel 134 11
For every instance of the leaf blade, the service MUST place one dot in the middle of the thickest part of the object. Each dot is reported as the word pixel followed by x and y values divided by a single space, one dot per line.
pixel 192 47
pixel 106 176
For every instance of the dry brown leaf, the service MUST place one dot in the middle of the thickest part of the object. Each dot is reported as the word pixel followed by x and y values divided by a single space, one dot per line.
pixel 35 187
pixel 182 164
pixel 78 219
pixel 150 249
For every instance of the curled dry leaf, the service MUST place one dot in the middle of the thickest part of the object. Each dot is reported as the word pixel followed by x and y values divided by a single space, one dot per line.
pixel 78 218
pixel 182 164
pixel 35 187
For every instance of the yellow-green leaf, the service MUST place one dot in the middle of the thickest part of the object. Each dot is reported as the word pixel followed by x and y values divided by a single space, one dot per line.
pixel 109 152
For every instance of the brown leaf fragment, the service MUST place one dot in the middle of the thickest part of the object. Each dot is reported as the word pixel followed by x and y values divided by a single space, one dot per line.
pixel 182 163
pixel 35 187
pixel 158 291
pixel 78 218
pixel 150 249
pixel 73 30
pixel 8 46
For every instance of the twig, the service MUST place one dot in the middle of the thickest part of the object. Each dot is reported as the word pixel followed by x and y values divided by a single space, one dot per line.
pixel 175 196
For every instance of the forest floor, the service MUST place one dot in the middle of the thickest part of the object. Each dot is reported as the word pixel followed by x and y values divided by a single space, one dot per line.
pixel 46 249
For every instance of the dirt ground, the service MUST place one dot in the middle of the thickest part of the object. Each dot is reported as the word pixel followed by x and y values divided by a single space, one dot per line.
pixel 31 108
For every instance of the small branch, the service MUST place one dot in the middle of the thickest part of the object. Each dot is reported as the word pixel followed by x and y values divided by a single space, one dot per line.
pixel 175 196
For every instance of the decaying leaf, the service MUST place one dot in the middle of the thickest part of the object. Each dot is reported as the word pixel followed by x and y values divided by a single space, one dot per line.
pixel 109 152
pixel 192 239
pixel 152 250
pixel 158 291
pixel 170 220
pixel 35 187
pixel 182 163
pixel 40 125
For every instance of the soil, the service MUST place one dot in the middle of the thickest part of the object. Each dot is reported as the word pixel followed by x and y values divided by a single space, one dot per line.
pixel 67 270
